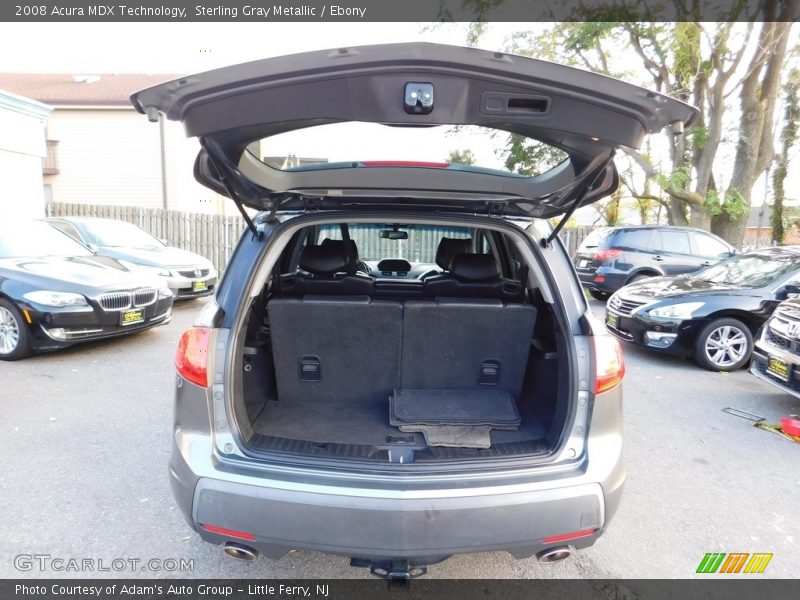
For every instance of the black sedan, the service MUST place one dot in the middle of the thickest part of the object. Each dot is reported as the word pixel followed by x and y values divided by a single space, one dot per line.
pixel 54 292
pixel 711 315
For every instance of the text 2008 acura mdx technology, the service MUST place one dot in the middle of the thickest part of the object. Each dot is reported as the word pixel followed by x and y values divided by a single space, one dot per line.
pixel 399 364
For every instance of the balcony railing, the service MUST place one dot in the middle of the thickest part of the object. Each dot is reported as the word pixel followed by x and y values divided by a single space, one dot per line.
pixel 50 162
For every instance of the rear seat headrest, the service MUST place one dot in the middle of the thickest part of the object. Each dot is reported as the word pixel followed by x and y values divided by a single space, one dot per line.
pixel 349 247
pixel 325 259
pixel 448 249
pixel 474 267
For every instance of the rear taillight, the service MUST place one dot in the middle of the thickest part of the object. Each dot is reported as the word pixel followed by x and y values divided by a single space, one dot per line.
pixel 191 357
pixel 609 365
pixel 607 254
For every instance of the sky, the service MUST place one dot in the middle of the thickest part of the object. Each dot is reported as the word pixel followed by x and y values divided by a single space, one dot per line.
pixel 184 48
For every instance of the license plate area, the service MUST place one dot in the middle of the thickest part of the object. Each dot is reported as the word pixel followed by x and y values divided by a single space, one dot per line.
pixel 779 369
pixel 199 286
pixel 582 264
pixel 131 317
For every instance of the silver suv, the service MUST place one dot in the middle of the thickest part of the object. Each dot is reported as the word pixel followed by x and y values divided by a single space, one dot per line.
pixel 399 364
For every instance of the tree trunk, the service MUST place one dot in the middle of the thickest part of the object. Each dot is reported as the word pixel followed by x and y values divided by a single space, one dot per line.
pixel 755 151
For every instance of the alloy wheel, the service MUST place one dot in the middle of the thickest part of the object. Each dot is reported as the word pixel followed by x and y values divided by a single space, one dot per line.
pixel 725 346
pixel 9 331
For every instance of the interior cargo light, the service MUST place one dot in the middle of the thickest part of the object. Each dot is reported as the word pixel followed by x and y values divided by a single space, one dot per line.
pixel 609 364
pixel 191 357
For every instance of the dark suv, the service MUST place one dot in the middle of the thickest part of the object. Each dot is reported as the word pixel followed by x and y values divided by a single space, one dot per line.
pixel 610 258
pixel 400 364
pixel 776 356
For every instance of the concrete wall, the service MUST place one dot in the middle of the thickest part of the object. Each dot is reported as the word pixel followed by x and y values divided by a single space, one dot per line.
pixel 22 147
pixel 112 156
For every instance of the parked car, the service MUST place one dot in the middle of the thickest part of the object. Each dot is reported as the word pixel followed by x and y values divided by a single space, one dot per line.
pixel 711 315
pixel 187 274
pixel 54 292
pixel 776 356
pixel 283 436
pixel 610 258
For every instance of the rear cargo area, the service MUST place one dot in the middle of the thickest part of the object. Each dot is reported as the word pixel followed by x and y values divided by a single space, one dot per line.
pixel 321 375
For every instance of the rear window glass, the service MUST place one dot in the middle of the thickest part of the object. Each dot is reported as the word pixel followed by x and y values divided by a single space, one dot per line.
pixel 419 247
pixel 597 238
pixel 357 143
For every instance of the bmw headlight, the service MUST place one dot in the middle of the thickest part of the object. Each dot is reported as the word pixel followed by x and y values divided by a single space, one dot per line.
pixel 683 310
pixel 55 299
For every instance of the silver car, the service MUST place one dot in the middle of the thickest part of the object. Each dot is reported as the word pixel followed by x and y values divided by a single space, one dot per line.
pixel 399 363
pixel 187 274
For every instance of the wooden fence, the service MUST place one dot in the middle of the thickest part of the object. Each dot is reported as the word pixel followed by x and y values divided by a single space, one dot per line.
pixel 215 236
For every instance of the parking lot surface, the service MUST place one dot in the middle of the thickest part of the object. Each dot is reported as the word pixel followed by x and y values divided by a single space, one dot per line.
pixel 86 440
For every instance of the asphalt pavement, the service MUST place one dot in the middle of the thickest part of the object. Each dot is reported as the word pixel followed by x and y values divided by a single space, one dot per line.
pixel 86 441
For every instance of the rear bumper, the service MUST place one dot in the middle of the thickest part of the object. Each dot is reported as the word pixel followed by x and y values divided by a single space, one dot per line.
pixel 361 523
pixel 602 279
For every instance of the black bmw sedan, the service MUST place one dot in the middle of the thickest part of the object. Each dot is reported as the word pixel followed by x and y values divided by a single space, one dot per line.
pixel 54 292
pixel 710 315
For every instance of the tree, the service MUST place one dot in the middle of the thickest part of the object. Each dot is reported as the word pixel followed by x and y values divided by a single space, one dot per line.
pixel 461 157
pixel 755 150
pixel 699 63
pixel 791 113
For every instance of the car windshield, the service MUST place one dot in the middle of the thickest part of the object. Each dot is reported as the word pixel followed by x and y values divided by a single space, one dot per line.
pixel 750 270
pixel 419 247
pixel 118 233
pixel 34 238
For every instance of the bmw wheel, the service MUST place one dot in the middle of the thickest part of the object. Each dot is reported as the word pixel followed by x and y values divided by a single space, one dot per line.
pixel 723 345
pixel 15 340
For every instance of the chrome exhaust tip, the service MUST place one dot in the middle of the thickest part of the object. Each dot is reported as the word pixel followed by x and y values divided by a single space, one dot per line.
pixel 240 551
pixel 555 554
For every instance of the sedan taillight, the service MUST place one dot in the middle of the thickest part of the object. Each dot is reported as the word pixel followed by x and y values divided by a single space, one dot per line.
pixel 191 357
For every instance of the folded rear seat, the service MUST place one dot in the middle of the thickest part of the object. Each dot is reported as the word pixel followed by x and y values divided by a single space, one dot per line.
pixel 335 349
pixel 475 344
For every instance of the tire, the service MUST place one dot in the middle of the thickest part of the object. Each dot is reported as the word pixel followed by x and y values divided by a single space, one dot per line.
pixel 598 295
pixel 709 355
pixel 15 339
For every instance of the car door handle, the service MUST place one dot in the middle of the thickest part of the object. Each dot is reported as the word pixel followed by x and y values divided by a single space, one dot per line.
pixel 658 258
pixel 705 264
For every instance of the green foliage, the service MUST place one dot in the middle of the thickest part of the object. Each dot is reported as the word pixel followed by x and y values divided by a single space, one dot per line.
pixel 735 205
pixel 529 157
pixel 697 136
pixel 712 203
pixel 461 157
pixel 679 179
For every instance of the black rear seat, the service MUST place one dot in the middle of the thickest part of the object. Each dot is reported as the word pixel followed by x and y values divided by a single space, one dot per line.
pixel 335 349
pixel 327 269
pixel 473 276
pixel 455 343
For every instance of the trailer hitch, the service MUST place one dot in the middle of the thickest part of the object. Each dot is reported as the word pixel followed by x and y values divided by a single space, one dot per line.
pixel 397 573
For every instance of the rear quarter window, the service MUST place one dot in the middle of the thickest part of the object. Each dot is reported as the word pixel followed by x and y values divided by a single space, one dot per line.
pixel 639 239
